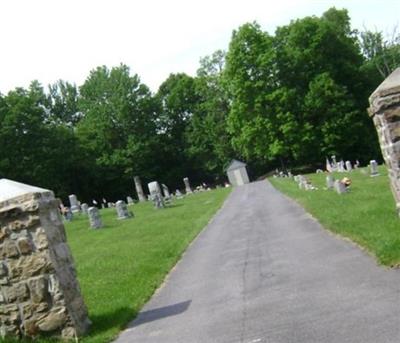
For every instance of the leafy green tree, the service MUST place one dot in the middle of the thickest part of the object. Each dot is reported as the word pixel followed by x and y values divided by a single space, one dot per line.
pixel 249 75
pixel 178 99
pixel 35 151
pixel 118 127
pixel 300 94
pixel 63 98
pixel 208 141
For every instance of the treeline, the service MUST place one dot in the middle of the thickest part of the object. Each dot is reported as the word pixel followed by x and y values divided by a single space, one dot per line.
pixel 287 99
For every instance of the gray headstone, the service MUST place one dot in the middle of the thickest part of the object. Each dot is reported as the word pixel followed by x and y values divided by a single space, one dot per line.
pixel 165 189
pixel 155 194
pixel 84 208
pixel 188 189
pixel 341 168
pixel 94 218
pixel 178 194
pixel 74 205
pixel 340 188
pixel 129 200
pixel 139 189
pixel 374 168
pixel 330 181
pixel 349 167
pixel 122 210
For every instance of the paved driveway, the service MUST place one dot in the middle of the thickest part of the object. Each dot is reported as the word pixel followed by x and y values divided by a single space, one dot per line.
pixel 265 271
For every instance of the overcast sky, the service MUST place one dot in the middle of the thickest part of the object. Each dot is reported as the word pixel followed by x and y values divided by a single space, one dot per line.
pixel 49 40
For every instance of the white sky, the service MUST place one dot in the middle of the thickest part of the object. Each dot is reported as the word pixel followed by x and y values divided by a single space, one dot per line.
pixel 49 40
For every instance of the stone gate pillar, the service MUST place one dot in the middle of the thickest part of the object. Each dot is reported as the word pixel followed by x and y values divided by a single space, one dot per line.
pixel 385 112
pixel 39 291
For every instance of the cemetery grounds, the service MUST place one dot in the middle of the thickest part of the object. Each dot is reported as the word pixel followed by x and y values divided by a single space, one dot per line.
pixel 366 214
pixel 122 264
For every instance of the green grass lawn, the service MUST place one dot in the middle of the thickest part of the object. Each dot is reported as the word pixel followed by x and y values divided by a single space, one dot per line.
pixel 121 265
pixel 366 214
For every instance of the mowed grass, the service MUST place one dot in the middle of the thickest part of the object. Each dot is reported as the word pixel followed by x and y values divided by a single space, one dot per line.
pixel 366 214
pixel 121 265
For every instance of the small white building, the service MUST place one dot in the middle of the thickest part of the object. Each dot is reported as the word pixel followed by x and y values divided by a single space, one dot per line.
pixel 237 173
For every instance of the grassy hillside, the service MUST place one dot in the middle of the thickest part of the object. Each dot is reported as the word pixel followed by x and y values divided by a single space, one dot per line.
pixel 366 214
pixel 121 265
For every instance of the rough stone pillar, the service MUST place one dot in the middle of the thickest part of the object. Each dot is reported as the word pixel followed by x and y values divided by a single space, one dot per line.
pixel 39 291
pixel 84 208
pixel 156 195
pixel 139 189
pixel 122 210
pixel 188 190
pixel 74 203
pixel 94 218
pixel 385 112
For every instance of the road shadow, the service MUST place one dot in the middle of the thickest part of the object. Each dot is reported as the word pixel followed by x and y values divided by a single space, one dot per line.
pixel 159 313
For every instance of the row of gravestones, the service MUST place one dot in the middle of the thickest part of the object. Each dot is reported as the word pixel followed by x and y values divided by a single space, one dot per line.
pixel 340 186
pixel 94 214
pixel 340 166
pixel 156 195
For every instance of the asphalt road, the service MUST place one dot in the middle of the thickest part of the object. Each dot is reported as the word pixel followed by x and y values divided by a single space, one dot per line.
pixel 265 271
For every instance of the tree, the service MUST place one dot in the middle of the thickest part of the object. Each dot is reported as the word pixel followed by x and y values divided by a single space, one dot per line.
pixel 178 99
pixel 63 99
pixel 208 141
pixel 35 151
pixel 380 52
pixel 118 127
pixel 249 75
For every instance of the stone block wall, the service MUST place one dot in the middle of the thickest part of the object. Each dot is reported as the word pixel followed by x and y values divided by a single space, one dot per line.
pixel 39 290
pixel 385 112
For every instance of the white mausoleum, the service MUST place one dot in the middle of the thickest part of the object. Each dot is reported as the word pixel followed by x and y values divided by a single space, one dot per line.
pixel 237 173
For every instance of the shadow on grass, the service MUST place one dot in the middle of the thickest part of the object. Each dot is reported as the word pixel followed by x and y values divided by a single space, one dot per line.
pixel 173 205
pixel 109 320
pixel 159 313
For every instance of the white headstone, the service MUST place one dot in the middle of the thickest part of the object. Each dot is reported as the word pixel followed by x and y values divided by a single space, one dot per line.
pixel 330 181
pixel 188 189
pixel 334 164
pixel 374 168
pixel 155 194
pixel 129 200
pixel 74 203
pixel 349 166
pixel 341 168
